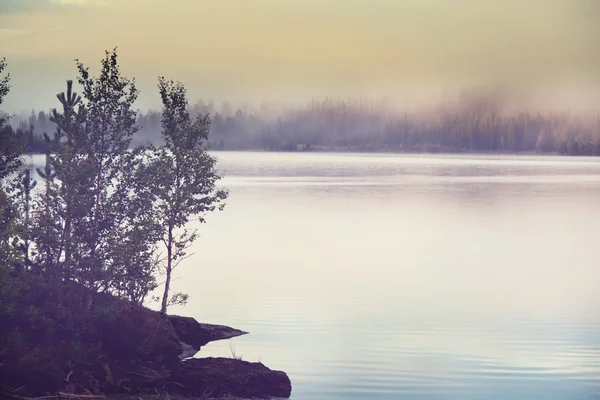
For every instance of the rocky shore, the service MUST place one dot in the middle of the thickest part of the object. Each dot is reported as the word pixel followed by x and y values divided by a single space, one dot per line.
pixel 127 350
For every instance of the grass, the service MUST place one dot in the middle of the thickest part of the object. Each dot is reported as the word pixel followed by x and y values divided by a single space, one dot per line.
pixel 233 353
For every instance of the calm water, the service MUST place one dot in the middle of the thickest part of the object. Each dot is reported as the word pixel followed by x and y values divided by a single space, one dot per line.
pixel 407 277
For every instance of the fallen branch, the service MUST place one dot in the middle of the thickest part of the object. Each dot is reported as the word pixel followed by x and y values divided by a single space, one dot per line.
pixel 79 396
pixel 69 376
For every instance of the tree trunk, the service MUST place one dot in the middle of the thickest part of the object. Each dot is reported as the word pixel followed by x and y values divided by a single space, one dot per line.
pixel 89 303
pixel 165 299
pixel 27 263
pixel 68 214
pixel 95 233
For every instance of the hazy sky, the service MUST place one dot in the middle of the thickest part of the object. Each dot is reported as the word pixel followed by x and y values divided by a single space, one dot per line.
pixel 293 49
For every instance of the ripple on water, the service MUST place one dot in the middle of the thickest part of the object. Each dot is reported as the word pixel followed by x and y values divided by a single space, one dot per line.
pixel 407 277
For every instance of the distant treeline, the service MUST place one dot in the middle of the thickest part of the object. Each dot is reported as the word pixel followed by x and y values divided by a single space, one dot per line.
pixel 471 124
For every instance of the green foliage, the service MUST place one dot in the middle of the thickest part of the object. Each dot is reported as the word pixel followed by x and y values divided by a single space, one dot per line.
pixel 109 234
pixel 8 231
pixel 42 343
pixel 12 144
pixel 47 226
pixel 184 177
pixel 26 185
pixel 178 299
pixel 11 148
pixel 80 254
pixel 105 209
pixel 5 81
pixel 130 242
pixel 92 223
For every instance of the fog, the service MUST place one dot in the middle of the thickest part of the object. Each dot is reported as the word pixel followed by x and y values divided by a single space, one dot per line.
pixel 411 52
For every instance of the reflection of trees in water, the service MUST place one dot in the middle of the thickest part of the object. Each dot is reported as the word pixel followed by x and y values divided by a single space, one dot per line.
pixel 396 166
pixel 474 195
pixel 395 184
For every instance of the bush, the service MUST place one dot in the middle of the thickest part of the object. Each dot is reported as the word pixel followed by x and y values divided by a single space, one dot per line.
pixel 42 343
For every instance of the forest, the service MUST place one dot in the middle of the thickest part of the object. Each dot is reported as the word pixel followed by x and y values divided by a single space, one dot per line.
pixel 475 122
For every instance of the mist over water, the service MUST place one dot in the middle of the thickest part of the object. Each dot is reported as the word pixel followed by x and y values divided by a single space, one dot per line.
pixel 371 276
pixel 386 276
pixel 406 276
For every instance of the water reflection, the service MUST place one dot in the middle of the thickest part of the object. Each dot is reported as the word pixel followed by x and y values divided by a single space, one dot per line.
pixel 385 276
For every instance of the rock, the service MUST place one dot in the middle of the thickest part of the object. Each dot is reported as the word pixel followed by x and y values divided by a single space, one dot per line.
pixel 217 377
pixel 210 377
pixel 187 351
pixel 129 331
pixel 197 335
pixel 119 348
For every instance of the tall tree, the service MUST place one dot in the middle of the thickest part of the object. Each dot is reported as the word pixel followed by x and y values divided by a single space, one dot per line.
pixel 133 258
pixel 185 178
pixel 10 161
pixel 46 221
pixel 118 233
pixel 110 125
pixel 65 160
pixel 26 186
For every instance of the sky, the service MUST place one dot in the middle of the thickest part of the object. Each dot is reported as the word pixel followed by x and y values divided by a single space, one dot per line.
pixel 294 50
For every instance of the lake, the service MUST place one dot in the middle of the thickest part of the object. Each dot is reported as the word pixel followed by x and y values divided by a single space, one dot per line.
pixel 373 276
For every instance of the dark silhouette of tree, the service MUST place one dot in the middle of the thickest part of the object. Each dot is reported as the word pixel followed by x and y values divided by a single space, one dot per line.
pixel 65 160
pixel 184 183
pixel 4 82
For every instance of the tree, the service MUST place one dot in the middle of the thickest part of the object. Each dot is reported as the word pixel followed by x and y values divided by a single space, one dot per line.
pixel 10 161
pixel 111 123
pixel 66 161
pixel 132 259
pixel 93 225
pixel 184 184
pixel 26 186
pixel 46 221
pixel 11 146
pixel 4 82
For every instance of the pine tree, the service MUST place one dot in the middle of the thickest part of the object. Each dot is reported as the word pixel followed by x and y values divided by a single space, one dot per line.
pixel 65 160
pixel 46 222
pixel 27 184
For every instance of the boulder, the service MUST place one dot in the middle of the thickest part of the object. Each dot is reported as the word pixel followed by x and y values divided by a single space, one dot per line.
pixel 196 334
pixel 217 377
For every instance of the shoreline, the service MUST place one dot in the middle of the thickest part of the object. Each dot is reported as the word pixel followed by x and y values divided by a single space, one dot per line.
pixel 125 351
pixel 388 152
